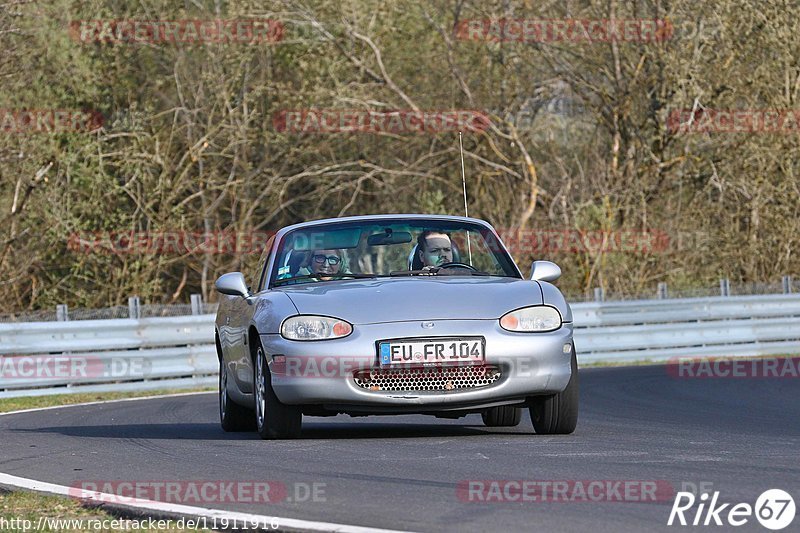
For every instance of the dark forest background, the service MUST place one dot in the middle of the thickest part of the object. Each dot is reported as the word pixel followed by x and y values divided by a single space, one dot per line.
pixel 579 138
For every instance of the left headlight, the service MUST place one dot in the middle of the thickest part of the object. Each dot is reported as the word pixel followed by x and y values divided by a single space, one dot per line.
pixel 532 319
pixel 314 328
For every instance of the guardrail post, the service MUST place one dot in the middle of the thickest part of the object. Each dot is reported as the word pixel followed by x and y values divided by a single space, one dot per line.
pixel 599 294
pixel 724 287
pixel 62 313
pixel 197 304
pixel 787 284
pixel 662 290
pixel 134 307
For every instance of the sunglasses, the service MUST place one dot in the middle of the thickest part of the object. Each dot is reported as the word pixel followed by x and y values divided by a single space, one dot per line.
pixel 331 259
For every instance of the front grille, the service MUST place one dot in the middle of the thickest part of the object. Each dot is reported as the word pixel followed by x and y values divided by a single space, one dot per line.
pixel 427 379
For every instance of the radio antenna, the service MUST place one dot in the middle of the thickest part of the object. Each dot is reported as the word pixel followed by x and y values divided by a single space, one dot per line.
pixel 464 184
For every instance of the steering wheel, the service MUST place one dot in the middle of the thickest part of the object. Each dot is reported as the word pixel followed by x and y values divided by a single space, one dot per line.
pixel 456 264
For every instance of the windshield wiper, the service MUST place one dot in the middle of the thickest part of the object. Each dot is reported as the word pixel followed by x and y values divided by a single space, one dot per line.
pixel 318 276
pixel 435 272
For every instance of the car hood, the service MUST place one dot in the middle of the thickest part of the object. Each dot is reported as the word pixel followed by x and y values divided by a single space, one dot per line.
pixel 372 301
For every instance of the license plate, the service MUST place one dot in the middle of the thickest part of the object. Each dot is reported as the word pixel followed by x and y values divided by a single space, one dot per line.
pixel 431 351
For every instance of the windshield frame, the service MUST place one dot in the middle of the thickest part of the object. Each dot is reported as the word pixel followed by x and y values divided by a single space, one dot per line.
pixel 478 225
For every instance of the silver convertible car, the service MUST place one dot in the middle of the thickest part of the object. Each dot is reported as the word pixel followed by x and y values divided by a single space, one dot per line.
pixel 393 314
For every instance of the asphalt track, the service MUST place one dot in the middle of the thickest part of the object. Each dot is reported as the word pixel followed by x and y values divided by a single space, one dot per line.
pixel 636 423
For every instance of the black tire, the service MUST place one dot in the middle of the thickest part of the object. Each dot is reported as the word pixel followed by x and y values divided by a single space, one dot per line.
pixel 232 416
pixel 557 414
pixel 274 420
pixel 502 416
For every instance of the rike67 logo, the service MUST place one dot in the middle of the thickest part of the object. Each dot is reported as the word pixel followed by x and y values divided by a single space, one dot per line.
pixel 774 509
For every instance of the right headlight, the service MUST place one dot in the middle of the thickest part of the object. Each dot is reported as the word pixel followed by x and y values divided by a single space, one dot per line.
pixel 314 328
pixel 533 319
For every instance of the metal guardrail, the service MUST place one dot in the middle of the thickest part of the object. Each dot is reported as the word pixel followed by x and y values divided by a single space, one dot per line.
pixel 658 330
pixel 178 351
pixel 106 355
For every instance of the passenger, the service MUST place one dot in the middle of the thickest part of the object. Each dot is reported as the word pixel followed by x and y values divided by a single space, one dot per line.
pixel 324 262
pixel 434 248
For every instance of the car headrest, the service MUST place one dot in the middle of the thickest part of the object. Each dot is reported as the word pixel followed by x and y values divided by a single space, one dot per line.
pixel 414 262
pixel 296 260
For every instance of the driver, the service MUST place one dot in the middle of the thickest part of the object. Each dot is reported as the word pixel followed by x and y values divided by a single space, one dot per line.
pixel 434 248
pixel 323 262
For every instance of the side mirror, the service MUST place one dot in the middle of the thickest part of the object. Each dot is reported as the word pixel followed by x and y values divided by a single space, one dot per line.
pixel 545 271
pixel 232 284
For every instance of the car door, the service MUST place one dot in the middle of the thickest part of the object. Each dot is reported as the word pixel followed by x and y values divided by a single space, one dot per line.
pixel 241 314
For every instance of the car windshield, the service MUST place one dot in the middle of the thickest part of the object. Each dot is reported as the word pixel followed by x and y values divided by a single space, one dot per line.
pixel 376 248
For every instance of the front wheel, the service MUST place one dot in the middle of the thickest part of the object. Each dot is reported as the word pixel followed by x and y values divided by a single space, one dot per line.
pixel 274 420
pixel 557 414
pixel 502 416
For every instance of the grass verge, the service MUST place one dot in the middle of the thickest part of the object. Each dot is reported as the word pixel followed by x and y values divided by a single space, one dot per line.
pixel 22 511
pixel 32 402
